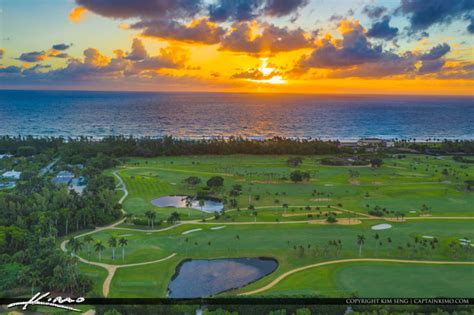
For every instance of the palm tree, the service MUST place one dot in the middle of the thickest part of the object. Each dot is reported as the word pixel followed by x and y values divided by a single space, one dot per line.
pixel 148 216
pixel 30 276
pixel 88 239
pixel 35 279
pixel 122 243
pixel 77 246
pixel 71 242
pixel 152 218
pixel 189 204
pixel 112 244
pixel 201 203
pixel 99 247
pixel 376 237
pixel 360 242
pixel 151 215
pixel 128 216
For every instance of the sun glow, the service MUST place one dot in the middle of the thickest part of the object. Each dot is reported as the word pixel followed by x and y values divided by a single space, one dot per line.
pixel 267 72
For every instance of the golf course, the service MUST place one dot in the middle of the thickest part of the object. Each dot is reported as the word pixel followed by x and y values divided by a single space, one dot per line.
pixel 400 228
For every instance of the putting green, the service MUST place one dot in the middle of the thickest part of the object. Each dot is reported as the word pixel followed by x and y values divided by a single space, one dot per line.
pixel 271 229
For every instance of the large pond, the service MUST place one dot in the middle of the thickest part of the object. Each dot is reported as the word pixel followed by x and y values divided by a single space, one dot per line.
pixel 203 278
pixel 210 204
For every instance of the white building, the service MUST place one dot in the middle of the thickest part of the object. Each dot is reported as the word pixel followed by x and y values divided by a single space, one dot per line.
pixel 12 174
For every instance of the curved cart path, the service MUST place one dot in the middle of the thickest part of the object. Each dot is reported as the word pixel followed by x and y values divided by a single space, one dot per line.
pixel 290 272
pixel 112 268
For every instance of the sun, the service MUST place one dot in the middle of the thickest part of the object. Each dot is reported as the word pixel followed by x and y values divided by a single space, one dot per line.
pixel 266 71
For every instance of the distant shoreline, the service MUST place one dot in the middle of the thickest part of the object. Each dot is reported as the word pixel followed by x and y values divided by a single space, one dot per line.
pixel 256 138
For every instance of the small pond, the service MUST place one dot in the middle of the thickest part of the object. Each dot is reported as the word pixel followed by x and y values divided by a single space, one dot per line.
pixel 211 205
pixel 203 278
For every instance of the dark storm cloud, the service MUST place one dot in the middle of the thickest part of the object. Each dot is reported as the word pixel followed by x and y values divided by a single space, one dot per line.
pixel 382 29
pixel 283 7
pixel 436 52
pixel 431 66
pixel 61 46
pixel 10 70
pixel 201 31
pixel 142 8
pixel 34 56
pixel 244 10
pixel 138 51
pixel 424 13
pixel 389 65
pixel 374 12
pixel 354 49
pixel 470 27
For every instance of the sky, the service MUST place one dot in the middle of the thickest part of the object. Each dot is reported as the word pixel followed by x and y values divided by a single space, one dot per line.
pixel 286 46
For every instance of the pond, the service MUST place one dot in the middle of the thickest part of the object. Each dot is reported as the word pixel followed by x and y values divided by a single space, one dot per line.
pixel 207 277
pixel 7 185
pixel 210 205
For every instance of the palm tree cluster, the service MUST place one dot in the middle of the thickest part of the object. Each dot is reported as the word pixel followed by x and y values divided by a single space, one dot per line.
pixel 112 242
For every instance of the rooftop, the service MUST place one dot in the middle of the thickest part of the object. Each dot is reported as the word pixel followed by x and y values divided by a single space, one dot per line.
pixel 12 174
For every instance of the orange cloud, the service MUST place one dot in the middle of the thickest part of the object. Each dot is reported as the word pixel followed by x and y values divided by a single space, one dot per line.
pixel 77 14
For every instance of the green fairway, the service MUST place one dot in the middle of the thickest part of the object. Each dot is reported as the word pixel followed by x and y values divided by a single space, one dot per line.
pixel 97 275
pixel 272 216
pixel 293 245
pixel 403 185
pixel 378 280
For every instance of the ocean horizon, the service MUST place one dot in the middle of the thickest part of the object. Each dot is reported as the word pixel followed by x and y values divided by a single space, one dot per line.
pixel 197 115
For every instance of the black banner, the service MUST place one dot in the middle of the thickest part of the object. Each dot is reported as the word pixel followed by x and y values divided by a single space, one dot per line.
pixel 265 301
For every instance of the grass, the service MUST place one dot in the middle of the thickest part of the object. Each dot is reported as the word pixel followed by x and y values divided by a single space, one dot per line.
pixel 399 185
pixel 378 280
pixel 97 275
pixel 275 240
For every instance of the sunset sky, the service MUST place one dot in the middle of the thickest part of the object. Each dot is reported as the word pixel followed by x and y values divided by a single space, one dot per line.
pixel 295 46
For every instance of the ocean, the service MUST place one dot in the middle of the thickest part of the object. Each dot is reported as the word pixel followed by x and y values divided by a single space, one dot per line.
pixel 205 115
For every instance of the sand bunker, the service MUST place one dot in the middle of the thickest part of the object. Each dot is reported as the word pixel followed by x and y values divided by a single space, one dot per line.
pixel 191 231
pixel 383 226
pixel 428 236
pixel 123 235
pixel 299 214
pixel 342 221
pixel 321 199
pixel 218 227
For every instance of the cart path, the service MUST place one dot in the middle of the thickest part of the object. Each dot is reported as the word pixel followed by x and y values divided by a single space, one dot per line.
pixel 112 268
pixel 290 272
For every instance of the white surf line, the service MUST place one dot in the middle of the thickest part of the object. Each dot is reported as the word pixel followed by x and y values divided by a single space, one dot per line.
pixel 217 227
pixel 191 231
